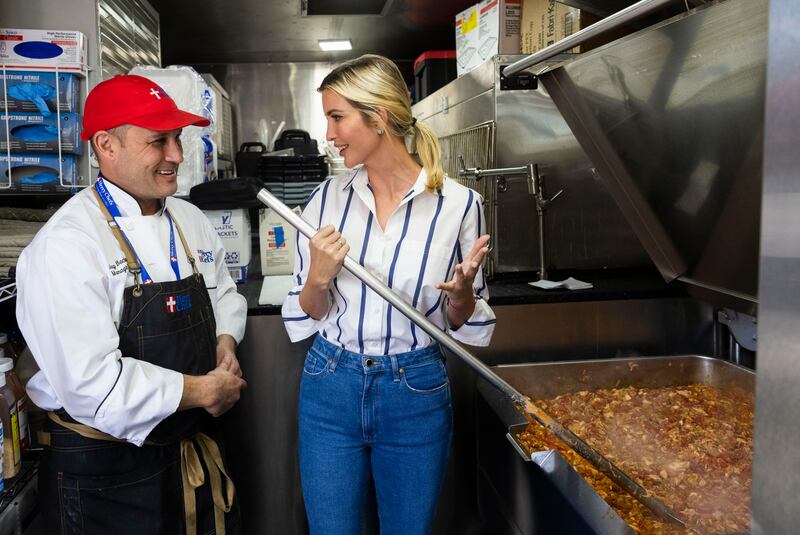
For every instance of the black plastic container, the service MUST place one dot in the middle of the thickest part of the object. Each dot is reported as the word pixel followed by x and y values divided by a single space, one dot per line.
pixel 432 70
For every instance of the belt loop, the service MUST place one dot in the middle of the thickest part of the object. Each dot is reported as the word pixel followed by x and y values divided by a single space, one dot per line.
pixel 395 368
pixel 337 355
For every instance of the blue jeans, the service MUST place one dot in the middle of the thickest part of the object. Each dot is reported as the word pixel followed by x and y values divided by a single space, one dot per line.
pixel 388 415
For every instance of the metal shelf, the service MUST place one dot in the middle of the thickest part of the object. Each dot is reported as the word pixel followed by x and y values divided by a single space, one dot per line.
pixel 8 289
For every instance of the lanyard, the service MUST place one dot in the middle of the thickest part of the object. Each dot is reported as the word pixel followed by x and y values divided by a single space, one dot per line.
pixel 113 209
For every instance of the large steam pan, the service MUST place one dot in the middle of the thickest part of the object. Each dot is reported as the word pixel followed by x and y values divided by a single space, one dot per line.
pixel 550 379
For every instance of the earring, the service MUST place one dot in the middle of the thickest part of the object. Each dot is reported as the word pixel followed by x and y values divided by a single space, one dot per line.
pixel 380 132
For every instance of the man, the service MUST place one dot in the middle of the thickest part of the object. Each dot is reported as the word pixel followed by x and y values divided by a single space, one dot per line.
pixel 129 310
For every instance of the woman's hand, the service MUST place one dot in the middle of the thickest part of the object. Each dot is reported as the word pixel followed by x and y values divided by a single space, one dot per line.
pixel 459 288
pixel 328 249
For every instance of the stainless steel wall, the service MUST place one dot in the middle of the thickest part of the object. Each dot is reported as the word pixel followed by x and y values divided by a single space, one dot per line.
pixel 776 466
pixel 264 94
pixel 262 428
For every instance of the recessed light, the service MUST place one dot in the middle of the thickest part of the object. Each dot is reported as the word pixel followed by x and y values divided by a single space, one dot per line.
pixel 335 44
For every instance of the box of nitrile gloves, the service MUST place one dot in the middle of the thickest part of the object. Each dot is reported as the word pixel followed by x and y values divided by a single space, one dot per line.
pixel 32 132
pixel 233 227
pixel 64 50
pixel 38 172
pixel 39 92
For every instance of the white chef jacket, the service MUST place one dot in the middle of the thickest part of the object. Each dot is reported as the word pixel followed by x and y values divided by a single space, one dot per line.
pixel 70 284
pixel 426 236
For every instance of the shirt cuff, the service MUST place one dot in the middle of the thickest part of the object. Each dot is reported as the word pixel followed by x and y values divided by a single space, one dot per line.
pixel 478 329
pixel 299 325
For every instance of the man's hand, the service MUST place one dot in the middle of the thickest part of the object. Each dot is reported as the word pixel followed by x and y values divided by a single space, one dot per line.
pixel 217 391
pixel 226 355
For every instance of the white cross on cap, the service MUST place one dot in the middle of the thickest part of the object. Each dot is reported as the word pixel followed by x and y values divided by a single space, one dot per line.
pixel 155 93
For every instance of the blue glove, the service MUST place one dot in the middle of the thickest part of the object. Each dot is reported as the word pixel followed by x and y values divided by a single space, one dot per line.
pixel 36 93
pixel 35 132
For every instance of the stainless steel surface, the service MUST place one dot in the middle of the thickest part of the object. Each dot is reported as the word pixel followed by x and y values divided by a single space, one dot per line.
pixel 585 229
pixel 681 105
pixel 776 485
pixel 476 146
pixel 379 287
pixel 266 94
pixel 549 379
pixel 630 13
pixel 129 35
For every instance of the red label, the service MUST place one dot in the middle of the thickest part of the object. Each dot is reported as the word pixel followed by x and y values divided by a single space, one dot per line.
pixel 490 6
pixel 10 38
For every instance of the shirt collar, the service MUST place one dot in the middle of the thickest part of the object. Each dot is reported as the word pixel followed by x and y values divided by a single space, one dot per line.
pixel 360 181
pixel 128 206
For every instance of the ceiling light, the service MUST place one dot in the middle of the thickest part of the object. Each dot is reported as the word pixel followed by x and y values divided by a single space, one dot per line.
pixel 335 44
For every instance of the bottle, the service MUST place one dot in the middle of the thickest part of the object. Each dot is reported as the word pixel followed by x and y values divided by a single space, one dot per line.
pixel 21 399
pixel 2 479
pixel 8 414
pixel 5 345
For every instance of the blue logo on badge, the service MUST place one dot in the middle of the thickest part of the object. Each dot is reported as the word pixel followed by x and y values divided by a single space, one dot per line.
pixel 184 302
pixel 205 256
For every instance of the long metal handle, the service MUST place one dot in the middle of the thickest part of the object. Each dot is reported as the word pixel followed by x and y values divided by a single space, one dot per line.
pixel 523 402
pixel 637 10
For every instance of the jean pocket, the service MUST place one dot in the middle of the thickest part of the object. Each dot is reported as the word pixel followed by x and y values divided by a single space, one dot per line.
pixel 426 379
pixel 144 501
pixel 316 363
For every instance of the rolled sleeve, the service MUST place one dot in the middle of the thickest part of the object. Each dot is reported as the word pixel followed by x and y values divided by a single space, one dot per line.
pixel 478 329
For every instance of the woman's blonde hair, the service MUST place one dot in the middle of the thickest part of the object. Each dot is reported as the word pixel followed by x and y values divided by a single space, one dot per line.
pixel 371 83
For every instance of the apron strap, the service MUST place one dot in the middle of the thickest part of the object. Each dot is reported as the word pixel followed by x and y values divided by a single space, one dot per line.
pixel 130 258
pixel 186 249
pixel 191 471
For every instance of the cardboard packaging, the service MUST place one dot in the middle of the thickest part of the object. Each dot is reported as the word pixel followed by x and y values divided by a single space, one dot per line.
pixel 467 40
pixel 277 242
pixel 31 132
pixel 545 22
pixel 64 50
pixel 37 172
pixel 233 228
pixel 498 28
pixel 39 92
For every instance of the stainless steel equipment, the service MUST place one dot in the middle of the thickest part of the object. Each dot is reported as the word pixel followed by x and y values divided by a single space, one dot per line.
pixel 672 118
pixel 522 402
pixel 535 188
pixel 584 230
pixel 517 488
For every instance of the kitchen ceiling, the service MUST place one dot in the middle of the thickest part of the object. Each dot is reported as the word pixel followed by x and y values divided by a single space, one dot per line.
pixel 242 31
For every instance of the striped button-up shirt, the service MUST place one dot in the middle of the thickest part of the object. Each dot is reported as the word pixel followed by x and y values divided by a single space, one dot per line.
pixel 426 236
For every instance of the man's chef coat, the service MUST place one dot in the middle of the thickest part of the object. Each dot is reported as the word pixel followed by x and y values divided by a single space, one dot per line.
pixel 70 284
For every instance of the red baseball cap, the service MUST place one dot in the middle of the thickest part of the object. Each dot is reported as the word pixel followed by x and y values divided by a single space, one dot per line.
pixel 136 100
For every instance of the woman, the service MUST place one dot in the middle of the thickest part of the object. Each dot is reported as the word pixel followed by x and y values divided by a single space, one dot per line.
pixel 374 397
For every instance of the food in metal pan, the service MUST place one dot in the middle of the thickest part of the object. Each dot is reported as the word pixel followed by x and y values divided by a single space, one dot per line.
pixel 690 446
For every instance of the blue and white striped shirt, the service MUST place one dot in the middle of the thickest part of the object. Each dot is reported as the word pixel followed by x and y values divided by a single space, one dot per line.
pixel 424 239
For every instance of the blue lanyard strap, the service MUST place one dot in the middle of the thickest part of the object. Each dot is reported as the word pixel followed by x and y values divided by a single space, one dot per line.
pixel 113 210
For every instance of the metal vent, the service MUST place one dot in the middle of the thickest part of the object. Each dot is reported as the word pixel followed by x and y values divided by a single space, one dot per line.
pixel 343 7
pixel 476 146
pixel 129 36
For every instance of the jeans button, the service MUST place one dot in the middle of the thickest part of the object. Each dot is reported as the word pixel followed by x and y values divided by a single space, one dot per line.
pixel 369 362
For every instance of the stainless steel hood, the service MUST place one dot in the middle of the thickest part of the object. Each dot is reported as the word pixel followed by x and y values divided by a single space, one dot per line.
pixel 672 118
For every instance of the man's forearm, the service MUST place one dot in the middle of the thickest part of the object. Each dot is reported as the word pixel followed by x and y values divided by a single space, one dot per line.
pixel 195 392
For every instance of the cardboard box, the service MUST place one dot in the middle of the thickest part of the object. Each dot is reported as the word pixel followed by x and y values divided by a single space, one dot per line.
pixel 467 56
pixel 64 50
pixel 277 242
pixel 37 172
pixel 39 92
pixel 31 132
pixel 498 28
pixel 545 22
pixel 233 227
